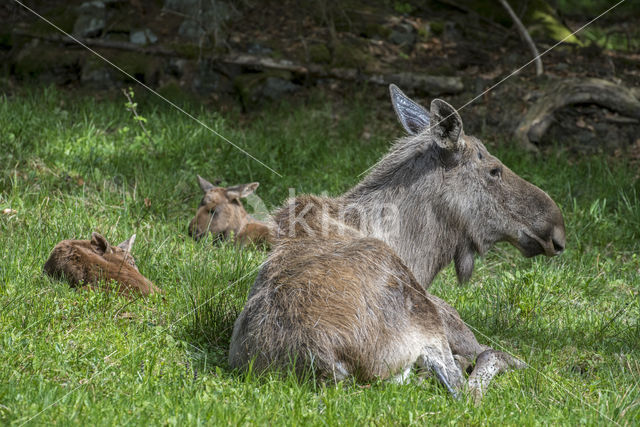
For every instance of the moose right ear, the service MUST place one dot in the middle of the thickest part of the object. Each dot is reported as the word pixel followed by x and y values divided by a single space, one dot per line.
pixel 446 130
pixel 242 190
pixel 99 243
pixel 204 184
pixel 127 244
pixel 413 117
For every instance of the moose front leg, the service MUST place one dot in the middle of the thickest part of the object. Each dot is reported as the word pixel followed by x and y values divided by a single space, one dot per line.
pixel 489 364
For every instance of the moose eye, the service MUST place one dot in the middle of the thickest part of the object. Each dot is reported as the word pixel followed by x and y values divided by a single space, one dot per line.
pixel 495 172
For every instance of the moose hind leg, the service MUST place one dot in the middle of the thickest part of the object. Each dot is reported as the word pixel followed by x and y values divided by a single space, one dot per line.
pixel 489 364
pixel 437 357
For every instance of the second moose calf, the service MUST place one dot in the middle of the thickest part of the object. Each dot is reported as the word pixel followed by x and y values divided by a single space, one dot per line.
pixel 86 262
pixel 222 214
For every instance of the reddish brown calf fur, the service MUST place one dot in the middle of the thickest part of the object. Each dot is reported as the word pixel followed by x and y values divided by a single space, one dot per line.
pixel 85 263
pixel 221 213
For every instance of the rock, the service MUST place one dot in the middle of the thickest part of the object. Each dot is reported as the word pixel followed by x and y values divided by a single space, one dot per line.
pixel 142 37
pixel 191 30
pixel 92 18
pixel 275 87
pixel 272 85
pixel 210 80
pixel 403 34
pixel 202 17
pixel 99 78
pixel 187 7
pixel 258 49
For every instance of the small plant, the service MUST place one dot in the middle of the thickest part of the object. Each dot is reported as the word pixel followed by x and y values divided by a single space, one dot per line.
pixel 131 106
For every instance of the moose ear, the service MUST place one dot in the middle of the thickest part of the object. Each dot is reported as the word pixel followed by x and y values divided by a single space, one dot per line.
pixel 414 117
pixel 204 184
pixel 446 127
pixel 99 243
pixel 242 190
pixel 127 244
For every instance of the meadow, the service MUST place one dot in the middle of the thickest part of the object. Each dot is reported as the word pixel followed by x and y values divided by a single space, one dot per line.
pixel 71 164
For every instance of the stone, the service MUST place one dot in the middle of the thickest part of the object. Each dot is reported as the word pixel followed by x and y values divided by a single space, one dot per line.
pixel 271 85
pixel 92 18
pixel 210 80
pixel 191 30
pixel 403 34
pixel 258 49
pixel 202 17
pixel 142 37
pixel 275 87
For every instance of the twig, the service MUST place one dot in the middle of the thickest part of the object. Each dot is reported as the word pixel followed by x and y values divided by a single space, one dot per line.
pixel 525 35
pixel 131 106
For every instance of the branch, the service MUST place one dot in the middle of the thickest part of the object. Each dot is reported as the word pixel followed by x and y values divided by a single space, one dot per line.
pixel 93 42
pixel 541 115
pixel 525 35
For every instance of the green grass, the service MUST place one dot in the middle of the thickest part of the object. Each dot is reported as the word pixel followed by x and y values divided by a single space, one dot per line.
pixel 71 165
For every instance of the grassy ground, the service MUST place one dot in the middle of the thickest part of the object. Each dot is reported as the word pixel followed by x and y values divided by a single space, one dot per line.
pixel 70 166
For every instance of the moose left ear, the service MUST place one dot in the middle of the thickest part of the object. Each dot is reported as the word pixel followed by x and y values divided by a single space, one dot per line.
pixel 99 243
pixel 413 117
pixel 446 127
pixel 242 190
pixel 204 184
pixel 127 244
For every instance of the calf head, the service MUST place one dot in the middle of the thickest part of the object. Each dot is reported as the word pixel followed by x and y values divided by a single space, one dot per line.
pixel 474 193
pixel 220 212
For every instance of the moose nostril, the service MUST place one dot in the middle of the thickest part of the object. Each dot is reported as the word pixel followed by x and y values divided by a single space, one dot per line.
pixel 558 247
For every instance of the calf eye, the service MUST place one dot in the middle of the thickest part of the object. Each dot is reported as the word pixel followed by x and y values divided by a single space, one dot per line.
pixel 480 156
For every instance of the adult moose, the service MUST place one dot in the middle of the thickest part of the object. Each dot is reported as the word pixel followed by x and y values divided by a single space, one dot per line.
pixel 344 289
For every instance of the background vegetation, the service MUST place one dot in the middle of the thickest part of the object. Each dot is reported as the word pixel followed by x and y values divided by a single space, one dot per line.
pixel 73 164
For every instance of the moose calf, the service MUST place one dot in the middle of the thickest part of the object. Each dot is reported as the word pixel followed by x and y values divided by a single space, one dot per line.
pixel 343 292
pixel 221 213
pixel 87 262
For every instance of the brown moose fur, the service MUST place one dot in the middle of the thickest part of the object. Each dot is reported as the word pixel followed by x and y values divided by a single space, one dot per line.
pixel 222 214
pixel 88 262
pixel 344 304
pixel 343 292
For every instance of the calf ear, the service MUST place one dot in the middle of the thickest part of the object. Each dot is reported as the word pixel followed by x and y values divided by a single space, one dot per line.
pixel 413 117
pixel 127 244
pixel 99 243
pixel 204 184
pixel 446 127
pixel 242 190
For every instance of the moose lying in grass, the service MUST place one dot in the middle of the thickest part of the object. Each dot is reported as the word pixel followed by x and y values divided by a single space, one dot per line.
pixel 222 214
pixel 343 292
pixel 87 262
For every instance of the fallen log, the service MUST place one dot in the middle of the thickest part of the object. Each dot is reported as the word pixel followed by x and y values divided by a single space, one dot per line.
pixel 99 43
pixel 428 84
pixel 432 85
pixel 573 91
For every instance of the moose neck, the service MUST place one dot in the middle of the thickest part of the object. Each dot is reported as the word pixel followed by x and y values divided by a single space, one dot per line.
pixel 402 202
